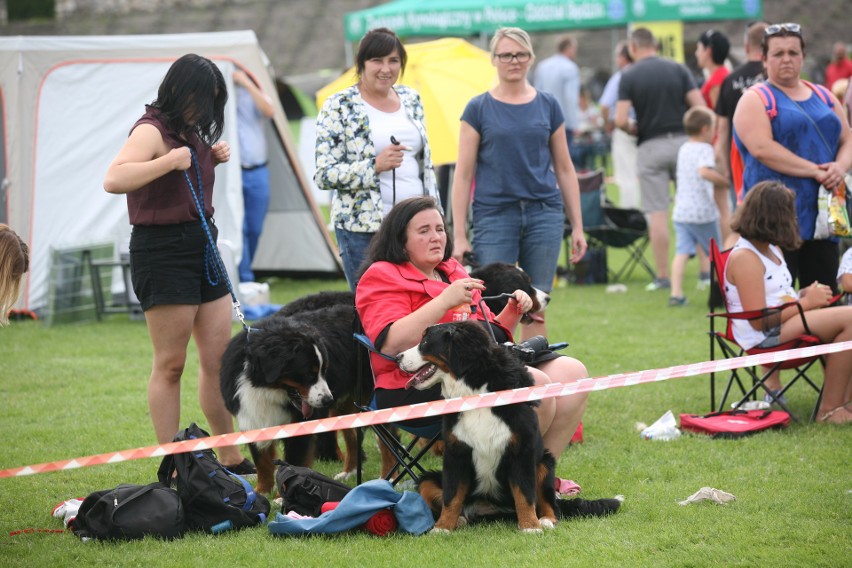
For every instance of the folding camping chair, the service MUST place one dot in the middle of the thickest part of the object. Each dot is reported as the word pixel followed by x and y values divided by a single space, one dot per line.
pixel 406 454
pixel 609 226
pixel 728 348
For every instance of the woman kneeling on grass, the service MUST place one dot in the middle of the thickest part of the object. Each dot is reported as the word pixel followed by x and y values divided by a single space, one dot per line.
pixel 756 277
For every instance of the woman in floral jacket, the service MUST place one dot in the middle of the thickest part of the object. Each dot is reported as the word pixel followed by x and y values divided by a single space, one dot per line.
pixel 371 147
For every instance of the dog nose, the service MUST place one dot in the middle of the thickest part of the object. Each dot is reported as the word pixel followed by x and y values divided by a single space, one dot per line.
pixel 327 400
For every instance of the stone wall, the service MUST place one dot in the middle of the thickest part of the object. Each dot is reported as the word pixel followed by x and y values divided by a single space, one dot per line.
pixel 304 36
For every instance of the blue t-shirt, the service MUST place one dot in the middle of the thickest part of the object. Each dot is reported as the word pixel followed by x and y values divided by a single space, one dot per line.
pixel 514 161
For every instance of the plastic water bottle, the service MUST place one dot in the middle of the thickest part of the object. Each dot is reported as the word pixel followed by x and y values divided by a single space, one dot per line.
pixel 461 312
pixel 221 527
pixel 752 405
pixel 666 434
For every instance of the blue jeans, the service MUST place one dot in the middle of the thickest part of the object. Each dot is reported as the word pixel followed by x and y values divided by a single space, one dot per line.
pixel 353 250
pixel 528 233
pixel 256 204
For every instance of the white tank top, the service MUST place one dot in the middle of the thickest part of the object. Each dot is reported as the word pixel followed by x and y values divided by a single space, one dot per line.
pixel 779 290
pixel 383 125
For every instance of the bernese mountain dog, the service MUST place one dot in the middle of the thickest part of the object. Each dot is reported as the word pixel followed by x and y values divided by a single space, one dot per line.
pixel 501 278
pixel 286 367
pixel 495 462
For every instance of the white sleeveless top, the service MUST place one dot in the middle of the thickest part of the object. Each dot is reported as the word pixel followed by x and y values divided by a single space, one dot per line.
pixel 779 290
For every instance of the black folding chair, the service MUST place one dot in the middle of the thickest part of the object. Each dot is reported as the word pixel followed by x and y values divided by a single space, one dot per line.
pixel 609 226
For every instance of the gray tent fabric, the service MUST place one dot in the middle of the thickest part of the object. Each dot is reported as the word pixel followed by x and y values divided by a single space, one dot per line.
pixel 67 105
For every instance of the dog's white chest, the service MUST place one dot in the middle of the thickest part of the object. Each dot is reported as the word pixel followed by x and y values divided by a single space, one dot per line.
pixel 489 437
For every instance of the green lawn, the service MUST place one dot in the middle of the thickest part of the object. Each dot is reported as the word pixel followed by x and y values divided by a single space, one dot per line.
pixel 72 391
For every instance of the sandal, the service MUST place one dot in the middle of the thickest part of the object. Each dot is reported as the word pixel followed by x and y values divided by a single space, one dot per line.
pixel 826 415
pixel 245 467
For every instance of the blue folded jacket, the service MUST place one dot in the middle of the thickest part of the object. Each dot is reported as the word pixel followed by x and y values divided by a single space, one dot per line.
pixel 411 512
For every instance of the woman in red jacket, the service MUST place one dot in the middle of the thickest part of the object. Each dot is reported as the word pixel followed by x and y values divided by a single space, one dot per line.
pixel 413 282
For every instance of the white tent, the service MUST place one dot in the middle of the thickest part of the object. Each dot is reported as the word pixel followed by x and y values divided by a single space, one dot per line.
pixel 66 107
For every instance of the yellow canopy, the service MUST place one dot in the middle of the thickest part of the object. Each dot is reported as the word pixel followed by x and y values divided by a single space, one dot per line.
pixel 447 73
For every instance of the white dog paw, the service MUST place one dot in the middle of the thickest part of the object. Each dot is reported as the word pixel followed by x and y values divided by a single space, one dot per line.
pixel 532 531
pixel 343 475
pixel 547 524
pixel 436 530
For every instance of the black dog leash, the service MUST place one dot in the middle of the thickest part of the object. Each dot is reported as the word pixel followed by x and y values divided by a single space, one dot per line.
pixel 211 252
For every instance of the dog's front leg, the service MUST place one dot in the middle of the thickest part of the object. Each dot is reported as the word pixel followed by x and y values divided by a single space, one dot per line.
pixel 523 476
pixel 457 479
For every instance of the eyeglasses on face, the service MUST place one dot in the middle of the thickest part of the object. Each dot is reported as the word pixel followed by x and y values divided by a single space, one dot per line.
pixel 521 56
pixel 789 27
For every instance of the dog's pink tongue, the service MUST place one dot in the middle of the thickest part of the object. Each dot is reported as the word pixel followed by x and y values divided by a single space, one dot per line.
pixel 535 316
pixel 307 410
pixel 421 375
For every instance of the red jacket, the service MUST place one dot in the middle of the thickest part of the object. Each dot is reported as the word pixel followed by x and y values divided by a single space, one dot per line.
pixel 388 292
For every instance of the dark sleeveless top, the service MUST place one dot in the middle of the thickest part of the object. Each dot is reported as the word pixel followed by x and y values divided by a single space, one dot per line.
pixel 167 200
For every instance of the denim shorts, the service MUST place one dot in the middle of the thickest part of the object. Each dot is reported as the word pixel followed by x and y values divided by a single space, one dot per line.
pixel 773 338
pixel 526 233
pixel 353 250
pixel 167 265
pixel 690 235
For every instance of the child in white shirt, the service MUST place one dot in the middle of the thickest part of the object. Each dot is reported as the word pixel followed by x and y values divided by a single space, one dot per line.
pixel 695 215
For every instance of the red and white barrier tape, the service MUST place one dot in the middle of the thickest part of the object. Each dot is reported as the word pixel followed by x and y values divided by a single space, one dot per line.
pixel 433 408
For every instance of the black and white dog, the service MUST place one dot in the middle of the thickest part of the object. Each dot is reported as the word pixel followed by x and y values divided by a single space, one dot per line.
pixel 286 367
pixel 501 278
pixel 495 462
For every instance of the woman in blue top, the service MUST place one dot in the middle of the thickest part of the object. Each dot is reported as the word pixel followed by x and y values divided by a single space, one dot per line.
pixel 513 145
pixel 807 143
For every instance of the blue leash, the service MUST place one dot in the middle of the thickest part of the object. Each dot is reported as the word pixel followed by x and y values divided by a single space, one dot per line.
pixel 213 265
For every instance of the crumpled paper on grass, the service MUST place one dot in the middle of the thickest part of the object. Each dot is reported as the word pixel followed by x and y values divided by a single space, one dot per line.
pixel 709 494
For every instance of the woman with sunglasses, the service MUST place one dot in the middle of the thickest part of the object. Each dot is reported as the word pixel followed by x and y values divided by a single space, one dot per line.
pixel 806 143
pixel 513 146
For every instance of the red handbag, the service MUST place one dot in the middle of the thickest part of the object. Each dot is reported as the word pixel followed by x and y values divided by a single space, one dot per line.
pixel 734 423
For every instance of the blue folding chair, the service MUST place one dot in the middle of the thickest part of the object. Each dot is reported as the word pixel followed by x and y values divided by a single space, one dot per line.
pixel 407 456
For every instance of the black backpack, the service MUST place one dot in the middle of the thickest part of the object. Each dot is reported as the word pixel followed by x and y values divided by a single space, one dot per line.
pixel 130 512
pixel 304 490
pixel 214 499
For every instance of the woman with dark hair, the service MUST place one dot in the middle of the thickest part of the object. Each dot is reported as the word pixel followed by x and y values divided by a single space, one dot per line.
pixel 806 143
pixel 371 147
pixel 411 282
pixel 710 53
pixel 756 277
pixel 166 170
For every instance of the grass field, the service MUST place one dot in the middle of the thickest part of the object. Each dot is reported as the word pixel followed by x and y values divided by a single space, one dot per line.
pixel 70 391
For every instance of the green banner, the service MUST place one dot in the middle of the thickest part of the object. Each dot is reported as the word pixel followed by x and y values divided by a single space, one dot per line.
pixel 472 17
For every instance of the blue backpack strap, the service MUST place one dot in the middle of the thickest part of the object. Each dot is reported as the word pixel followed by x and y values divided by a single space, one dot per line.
pixel 821 92
pixel 250 494
pixel 768 97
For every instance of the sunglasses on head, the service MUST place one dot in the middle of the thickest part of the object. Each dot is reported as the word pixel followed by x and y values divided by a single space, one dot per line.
pixel 789 27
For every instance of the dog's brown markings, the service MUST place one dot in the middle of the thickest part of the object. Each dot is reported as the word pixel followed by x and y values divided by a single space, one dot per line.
pixel 450 513
pixel 543 507
pixel 265 469
pixel 525 510
pixel 438 362
pixel 433 496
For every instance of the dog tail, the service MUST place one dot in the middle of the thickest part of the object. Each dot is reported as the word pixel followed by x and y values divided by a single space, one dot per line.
pixel 578 507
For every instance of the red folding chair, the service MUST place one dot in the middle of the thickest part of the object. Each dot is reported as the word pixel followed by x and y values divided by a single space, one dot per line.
pixel 726 343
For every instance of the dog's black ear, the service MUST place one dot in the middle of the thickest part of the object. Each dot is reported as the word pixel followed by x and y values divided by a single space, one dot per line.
pixel 271 360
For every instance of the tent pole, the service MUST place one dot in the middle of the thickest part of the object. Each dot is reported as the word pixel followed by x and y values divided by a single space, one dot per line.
pixel 349 57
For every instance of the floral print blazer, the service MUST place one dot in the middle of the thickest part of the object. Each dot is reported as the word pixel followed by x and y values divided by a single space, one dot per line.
pixel 346 158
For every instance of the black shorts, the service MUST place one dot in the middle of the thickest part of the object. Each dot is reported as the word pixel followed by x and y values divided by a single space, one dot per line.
pixel 167 265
